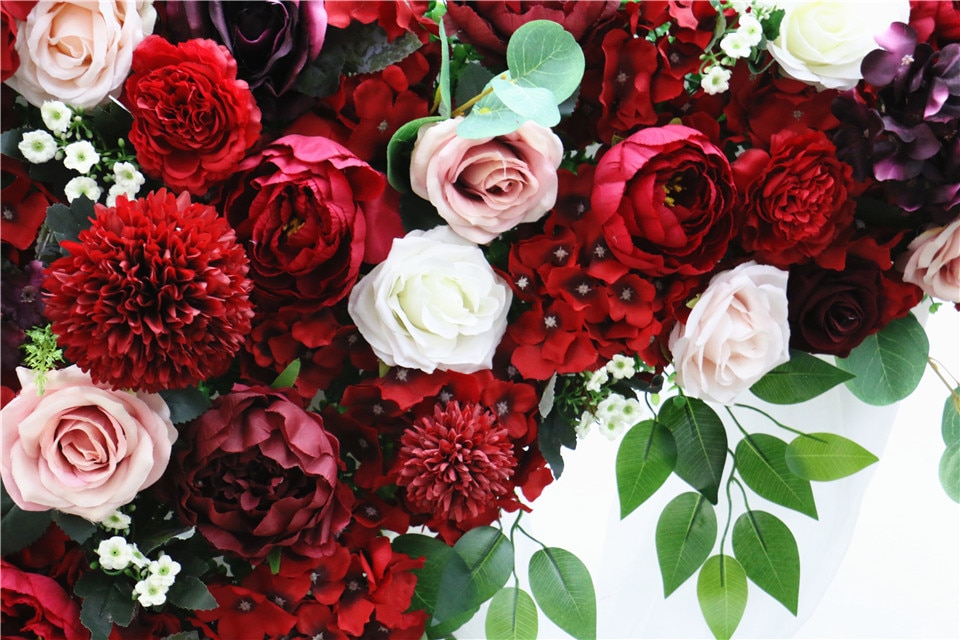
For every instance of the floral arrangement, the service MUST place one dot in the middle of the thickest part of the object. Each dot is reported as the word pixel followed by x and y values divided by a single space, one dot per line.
pixel 305 303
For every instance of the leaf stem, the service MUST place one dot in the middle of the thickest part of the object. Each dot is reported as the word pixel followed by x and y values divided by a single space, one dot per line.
pixel 771 419
pixel 524 532
pixel 462 109
pixel 935 365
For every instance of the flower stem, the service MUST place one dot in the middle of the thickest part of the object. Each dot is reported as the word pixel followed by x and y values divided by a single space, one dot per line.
pixel 462 109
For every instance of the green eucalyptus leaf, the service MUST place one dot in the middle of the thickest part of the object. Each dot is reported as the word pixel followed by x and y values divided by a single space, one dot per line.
pixel 701 441
pixel 950 422
pixel 763 544
pixel 479 567
pixel 761 461
pixel 191 594
pixel 512 615
pixel 435 553
pixel 888 365
pixel 801 378
pixel 950 471
pixel 489 118
pixel 532 103
pixel 722 592
pixel 686 533
pixel 645 459
pixel 185 404
pixel 106 600
pixel 826 456
pixel 399 150
pixel 287 377
pixel 541 53
pixel 563 588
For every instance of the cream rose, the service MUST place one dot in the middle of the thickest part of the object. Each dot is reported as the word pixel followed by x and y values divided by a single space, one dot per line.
pixel 79 52
pixel 483 187
pixel 81 448
pixel 736 333
pixel 932 262
pixel 434 303
pixel 823 42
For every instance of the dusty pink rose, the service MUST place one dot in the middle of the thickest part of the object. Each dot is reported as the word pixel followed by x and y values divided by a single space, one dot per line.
pixel 79 52
pixel 81 448
pixel 483 187
pixel 932 262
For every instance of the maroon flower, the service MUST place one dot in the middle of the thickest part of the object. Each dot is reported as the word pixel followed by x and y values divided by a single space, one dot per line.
pixel 35 606
pixel 260 472
pixel 153 295
pixel 664 198
pixel 457 463
pixel 193 121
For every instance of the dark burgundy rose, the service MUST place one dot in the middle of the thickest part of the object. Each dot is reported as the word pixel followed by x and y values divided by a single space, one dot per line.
pixel 260 472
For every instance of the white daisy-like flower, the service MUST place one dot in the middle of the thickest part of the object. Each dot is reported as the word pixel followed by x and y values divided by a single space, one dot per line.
pixel 119 190
pixel 587 420
pixel 165 569
pixel 615 414
pixel 56 115
pixel 597 379
pixel 750 30
pixel 80 156
pixel 128 176
pixel 82 186
pixel 620 367
pixel 115 553
pixel 716 80
pixel 38 146
pixel 151 591
pixel 735 44
pixel 137 558
pixel 116 521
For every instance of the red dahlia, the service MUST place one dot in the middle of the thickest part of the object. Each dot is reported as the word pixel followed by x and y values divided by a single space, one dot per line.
pixel 456 463
pixel 153 295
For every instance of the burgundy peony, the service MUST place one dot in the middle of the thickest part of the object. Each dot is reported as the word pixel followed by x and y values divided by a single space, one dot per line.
pixel 664 198
pixel 35 606
pixel 153 295
pixel 260 472
pixel 193 121
pixel 302 207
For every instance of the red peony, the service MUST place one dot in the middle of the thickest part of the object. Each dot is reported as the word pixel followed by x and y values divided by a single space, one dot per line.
pixel 260 472
pixel 457 463
pixel 796 200
pixel 35 606
pixel 153 295
pixel 193 120
pixel 664 197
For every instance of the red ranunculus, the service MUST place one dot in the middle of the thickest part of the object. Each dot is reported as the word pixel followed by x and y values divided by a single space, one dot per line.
pixel 664 198
pixel 304 205
pixel 193 120
pixel 35 606
pixel 260 472
pixel 796 200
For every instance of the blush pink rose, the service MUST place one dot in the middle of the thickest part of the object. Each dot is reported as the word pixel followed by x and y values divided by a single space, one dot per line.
pixel 483 187
pixel 81 448
pixel 932 262
pixel 79 52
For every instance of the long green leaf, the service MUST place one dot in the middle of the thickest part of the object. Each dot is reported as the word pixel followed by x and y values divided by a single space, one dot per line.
pixel 686 533
pixel 541 53
pixel 563 588
pixel 801 378
pixel 701 443
pixel 826 456
pixel 512 615
pixel 888 365
pixel 480 565
pixel 761 461
pixel 769 555
pixel 950 471
pixel 722 592
pixel 645 459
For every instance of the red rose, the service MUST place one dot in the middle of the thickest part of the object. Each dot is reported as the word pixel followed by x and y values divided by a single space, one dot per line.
pixel 193 120
pixel 664 198
pixel 35 606
pixel 260 472
pixel 10 13
pixel 303 205
pixel 796 200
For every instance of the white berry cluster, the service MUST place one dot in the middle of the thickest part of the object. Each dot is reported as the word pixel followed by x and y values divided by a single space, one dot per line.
pixel 613 413
pixel 740 42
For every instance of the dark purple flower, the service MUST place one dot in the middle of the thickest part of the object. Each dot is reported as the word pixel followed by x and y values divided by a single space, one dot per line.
pixel 21 307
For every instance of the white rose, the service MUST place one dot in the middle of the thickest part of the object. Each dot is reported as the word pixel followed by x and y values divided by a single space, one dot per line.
pixel 823 42
pixel 79 52
pixel 735 334
pixel 434 303
pixel 932 262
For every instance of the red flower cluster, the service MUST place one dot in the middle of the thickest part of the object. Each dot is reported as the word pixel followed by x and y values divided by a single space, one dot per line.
pixel 153 295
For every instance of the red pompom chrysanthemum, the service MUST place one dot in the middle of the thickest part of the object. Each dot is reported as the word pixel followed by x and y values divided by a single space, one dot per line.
pixel 153 296
pixel 456 463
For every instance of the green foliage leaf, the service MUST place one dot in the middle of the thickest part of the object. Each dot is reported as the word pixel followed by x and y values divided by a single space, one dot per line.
pixel 479 567
pixel 287 377
pixel 435 554
pixel 532 103
pixel 10 141
pixel 541 53
pixel 489 118
pixel 686 533
pixel 801 378
pixel 950 471
pixel 183 635
pixel 106 600
pixel 556 431
pixel 645 459
pixel 761 461
pixel 722 592
pixel 79 529
pixel 445 92
pixel 66 222
pixel 768 552
pixel 826 456
pixel 563 588
pixel 888 365
pixel 191 594
pixel 19 528
pixel 472 79
pixel 512 615
pixel 399 150
pixel 950 421
pixel 185 404
pixel 701 443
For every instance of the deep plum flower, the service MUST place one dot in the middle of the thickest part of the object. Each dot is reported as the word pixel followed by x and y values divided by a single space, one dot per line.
pixel 153 295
